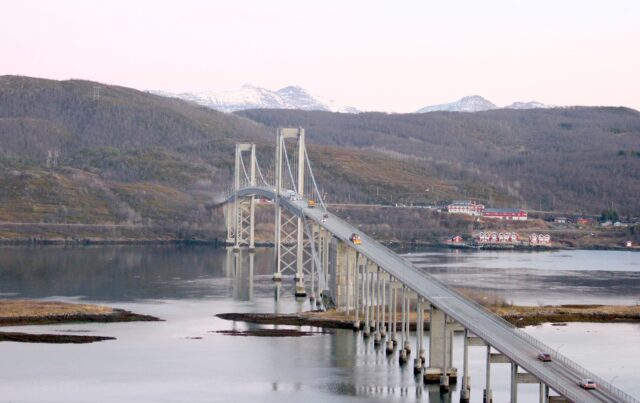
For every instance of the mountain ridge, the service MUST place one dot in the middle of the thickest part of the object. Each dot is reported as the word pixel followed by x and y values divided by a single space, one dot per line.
pixel 477 103
pixel 254 97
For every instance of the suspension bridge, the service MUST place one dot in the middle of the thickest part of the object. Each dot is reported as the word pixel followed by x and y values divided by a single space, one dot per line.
pixel 380 289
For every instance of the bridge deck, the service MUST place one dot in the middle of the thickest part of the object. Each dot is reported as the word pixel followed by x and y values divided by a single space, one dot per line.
pixel 560 374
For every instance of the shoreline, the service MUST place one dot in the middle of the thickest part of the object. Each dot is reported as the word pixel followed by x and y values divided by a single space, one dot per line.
pixel 402 247
pixel 32 312
pixel 519 316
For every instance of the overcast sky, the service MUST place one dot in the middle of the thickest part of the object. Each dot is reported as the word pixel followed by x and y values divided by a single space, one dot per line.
pixel 391 56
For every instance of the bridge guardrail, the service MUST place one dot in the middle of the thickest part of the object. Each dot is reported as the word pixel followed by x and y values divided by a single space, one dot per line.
pixel 602 384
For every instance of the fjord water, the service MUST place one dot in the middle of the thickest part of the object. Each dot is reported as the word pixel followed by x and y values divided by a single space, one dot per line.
pixel 182 360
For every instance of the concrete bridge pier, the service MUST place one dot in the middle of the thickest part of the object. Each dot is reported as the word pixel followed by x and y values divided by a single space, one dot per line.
pixel 418 361
pixel 465 393
pixel 357 303
pixel 544 393
pixel 440 368
pixel 384 326
pixel 444 378
pixel 301 292
pixel 367 300
pixel 377 338
pixel 514 382
pixel 488 396
pixel 324 260
pixel 391 321
pixel 371 271
pixel 407 331
pixel 394 326
pixel 404 353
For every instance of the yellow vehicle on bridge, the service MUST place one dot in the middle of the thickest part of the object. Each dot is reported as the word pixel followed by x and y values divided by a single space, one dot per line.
pixel 355 238
pixel 311 203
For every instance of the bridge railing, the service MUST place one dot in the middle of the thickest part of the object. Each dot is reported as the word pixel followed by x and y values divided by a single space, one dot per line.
pixel 541 347
pixel 558 388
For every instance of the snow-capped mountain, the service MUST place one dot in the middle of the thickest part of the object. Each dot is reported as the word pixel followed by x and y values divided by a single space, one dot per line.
pixel 528 105
pixel 252 97
pixel 476 103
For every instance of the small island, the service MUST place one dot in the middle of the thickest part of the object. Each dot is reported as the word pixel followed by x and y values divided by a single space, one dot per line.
pixel 35 312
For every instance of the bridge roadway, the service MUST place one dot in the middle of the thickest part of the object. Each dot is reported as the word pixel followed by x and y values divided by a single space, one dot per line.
pixel 515 344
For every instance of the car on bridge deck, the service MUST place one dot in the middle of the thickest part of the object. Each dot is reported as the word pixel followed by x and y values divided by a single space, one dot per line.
pixel 325 217
pixel 587 383
pixel 544 357
pixel 292 195
pixel 355 238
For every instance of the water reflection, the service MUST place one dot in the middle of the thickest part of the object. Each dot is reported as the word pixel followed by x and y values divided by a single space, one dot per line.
pixel 537 278
pixel 188 285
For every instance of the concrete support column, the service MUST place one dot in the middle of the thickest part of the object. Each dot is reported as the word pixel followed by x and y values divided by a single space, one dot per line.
pixel 465 393
pixel 277 275
pixel 544 393
pixel 488 396
pixel 392 323
pixel 404 354
pixel 326 238
pixel 252 205
pixel 444 378
pixel 421 351
pixel 417 362
pixel 440 348
pixel 347 288
pixel 514 382
pixel 372 297
pixel 299 277
pixel 377 337
pixel 407 341
pixel 357 303
pixel 367 300
pixel 228 216
pixel 395 313
pixel 385 325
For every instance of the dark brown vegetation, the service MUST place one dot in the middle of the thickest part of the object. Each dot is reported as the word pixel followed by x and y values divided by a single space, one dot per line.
pixel 28 312
pixel 268 333
pixel 131 158
pixel 517 315
pixel 50 338
pixel 552 159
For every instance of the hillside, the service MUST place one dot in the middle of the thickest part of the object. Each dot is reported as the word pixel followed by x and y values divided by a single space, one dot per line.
pixel 567 159
pixel 129 161
pixel 130 158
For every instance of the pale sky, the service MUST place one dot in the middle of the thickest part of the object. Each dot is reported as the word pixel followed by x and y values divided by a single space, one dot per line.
pixel 389 56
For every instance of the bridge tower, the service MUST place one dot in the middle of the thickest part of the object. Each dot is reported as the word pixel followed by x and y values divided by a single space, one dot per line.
pixel 289 230
pixel 241 221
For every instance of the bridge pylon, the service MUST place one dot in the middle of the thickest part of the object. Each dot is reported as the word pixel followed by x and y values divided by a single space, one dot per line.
pixel 290 246
pixel 241 220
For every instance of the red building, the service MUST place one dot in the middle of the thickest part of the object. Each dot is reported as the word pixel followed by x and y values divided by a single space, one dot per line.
pixel 469 207
pixel 456 240
pixel 505 214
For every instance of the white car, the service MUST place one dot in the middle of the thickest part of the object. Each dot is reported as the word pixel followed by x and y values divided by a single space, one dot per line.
pixel 292 195
pixel 587 384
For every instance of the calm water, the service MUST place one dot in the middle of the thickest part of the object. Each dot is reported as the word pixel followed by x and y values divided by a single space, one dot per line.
pixel 187 286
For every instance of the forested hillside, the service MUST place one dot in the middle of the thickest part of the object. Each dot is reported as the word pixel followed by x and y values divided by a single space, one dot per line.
pixel 80 152
pixel 121 156
pixel 567 159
